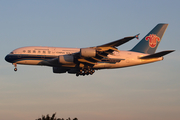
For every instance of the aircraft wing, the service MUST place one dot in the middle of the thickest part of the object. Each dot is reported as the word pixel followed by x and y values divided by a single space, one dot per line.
pixel 91 55
pixel 119 42
pixel 102 51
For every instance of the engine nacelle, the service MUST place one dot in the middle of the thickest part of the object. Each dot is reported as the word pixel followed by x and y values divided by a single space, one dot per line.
pixel 66 59
pixel 59 70
pixel 88 52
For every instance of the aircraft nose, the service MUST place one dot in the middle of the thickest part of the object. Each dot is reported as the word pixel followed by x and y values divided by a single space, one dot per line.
pixel 7 58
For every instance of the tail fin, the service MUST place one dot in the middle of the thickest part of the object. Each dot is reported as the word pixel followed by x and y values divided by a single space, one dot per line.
pixel 151 41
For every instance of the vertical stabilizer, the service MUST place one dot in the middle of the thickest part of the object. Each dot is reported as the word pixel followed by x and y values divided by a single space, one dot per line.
pixel 151 41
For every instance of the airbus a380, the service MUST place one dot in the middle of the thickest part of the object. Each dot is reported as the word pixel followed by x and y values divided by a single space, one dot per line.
pixel 84 61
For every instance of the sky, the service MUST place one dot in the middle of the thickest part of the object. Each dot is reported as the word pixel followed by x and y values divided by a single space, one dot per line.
pixel 145 92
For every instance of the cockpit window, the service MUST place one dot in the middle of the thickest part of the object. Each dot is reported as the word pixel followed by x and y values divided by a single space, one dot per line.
pixel 11 53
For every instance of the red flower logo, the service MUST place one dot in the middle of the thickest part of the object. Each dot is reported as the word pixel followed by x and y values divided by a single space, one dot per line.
pixel 152 40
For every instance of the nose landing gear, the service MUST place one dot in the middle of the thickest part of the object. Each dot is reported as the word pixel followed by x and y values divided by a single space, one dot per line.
pixel 15 69
pixel 15 65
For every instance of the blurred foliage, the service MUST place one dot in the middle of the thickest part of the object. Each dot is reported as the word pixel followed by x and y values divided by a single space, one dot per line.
pixel 47 117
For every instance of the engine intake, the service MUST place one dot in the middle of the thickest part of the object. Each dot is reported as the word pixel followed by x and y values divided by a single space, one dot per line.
pixel 66 59
pixel 88 52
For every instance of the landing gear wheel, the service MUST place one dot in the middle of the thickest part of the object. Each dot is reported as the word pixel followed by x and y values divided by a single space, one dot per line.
pixel 15 69
pixel 84 72
pixel 77 74
pixel 15 65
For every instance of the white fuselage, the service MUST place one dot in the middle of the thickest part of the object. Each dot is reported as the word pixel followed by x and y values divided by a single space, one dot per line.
pixel 35 55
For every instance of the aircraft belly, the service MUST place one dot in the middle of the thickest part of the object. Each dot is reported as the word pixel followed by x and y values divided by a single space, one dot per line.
pixel 106 65
pixel 134 62
pixel 29 62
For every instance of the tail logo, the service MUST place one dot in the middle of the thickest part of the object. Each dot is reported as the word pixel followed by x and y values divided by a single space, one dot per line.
pixel 152 40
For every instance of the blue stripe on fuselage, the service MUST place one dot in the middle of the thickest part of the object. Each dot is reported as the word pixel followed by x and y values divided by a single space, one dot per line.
pixel 12 58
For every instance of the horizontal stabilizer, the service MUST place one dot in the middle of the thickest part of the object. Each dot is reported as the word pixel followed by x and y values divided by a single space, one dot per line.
pixel 156 55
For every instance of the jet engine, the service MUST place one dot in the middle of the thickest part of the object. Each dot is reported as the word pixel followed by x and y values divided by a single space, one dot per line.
pixel 66 59
pixel 59 70
pixel 88 52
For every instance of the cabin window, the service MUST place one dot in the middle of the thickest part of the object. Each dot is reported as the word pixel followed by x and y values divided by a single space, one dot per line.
pixel 39 51
pixel 29 51
pixel 24 51
pixel 34 51
pixel 44 51
pixel 49 52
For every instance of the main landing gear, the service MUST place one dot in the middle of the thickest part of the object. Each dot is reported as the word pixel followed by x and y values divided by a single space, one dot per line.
pixel 15 65
pixel 85 72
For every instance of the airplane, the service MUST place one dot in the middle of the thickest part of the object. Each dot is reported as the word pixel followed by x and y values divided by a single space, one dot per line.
pixel 84 61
